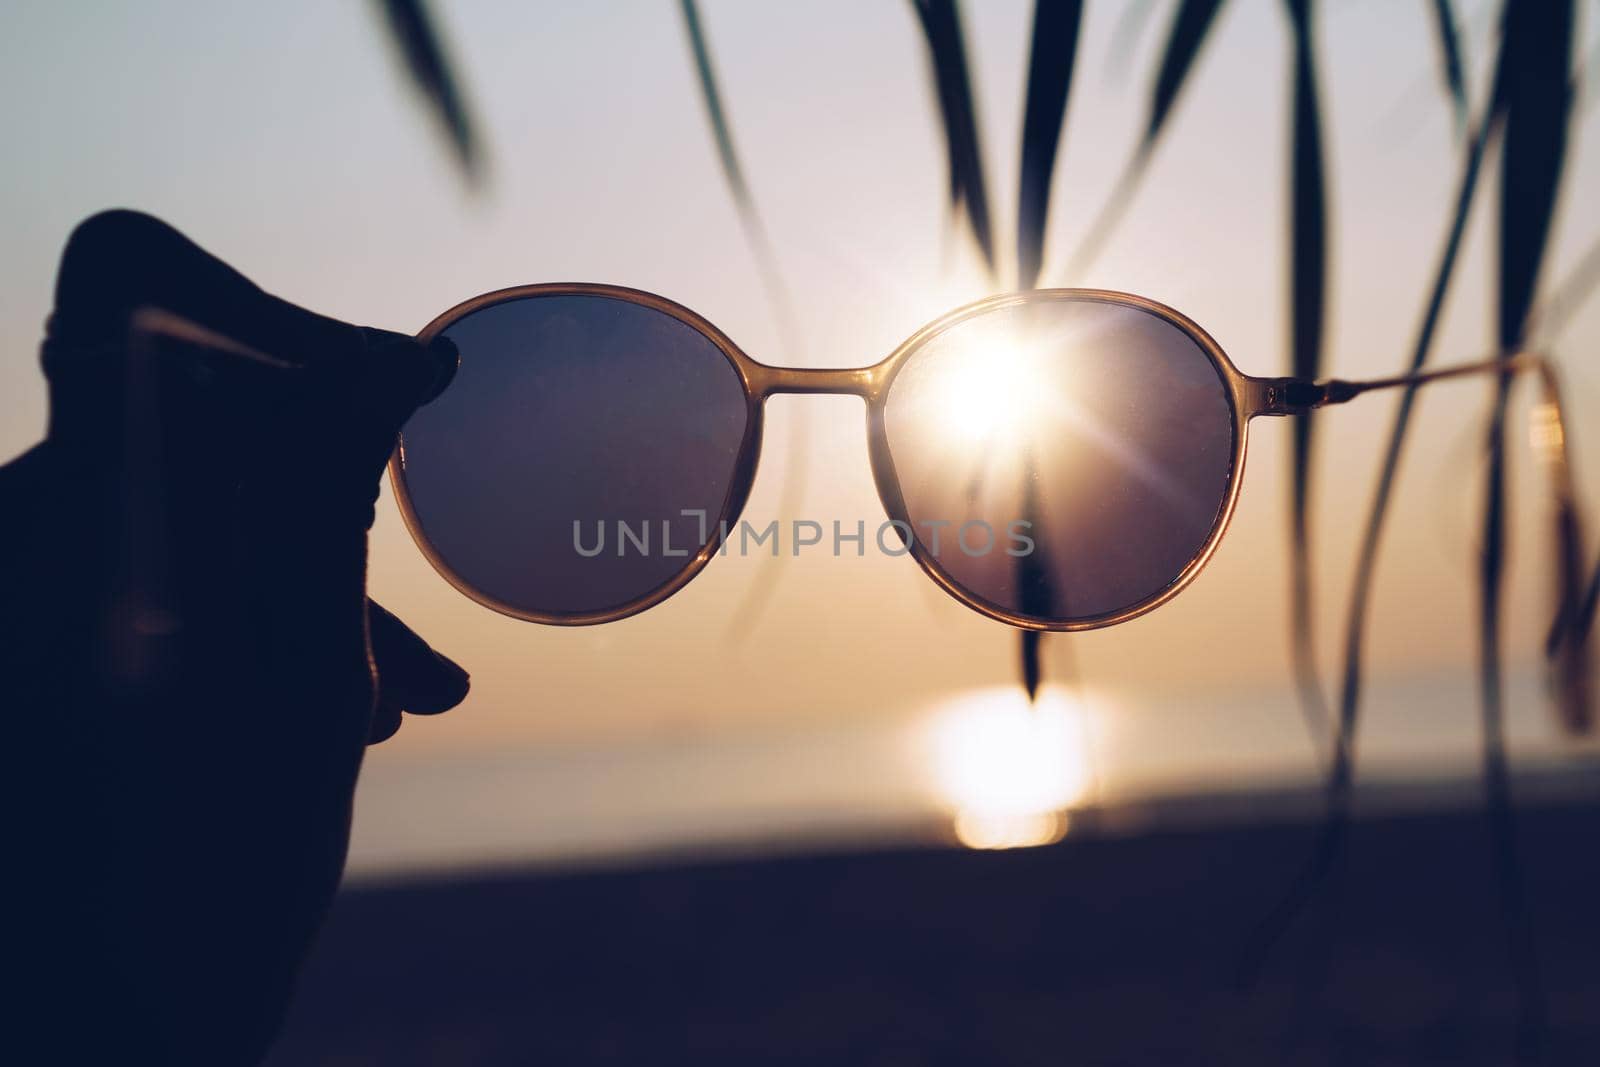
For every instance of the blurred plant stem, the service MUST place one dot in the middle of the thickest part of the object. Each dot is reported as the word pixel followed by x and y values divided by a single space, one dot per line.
pixel 1191 24
pixel 1341 767
pixel 1056 24
pixel 1308 229
pixel 947 61
pixel 1537 100
pixel 1450 65
pixel 412 30
pixel 1052 57
pixel 792 493
pixel 1131 22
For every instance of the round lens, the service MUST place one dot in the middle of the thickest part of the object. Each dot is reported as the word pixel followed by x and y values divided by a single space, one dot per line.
pixel 581 457
pixel 1061 459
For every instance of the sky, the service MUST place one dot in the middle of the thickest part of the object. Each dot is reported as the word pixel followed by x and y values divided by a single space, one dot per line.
pixel 284 138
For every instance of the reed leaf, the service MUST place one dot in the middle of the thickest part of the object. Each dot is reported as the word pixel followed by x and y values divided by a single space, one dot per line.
pixel 1056 25
pixel 760 590
pixel 711 97
pixel 1307 306
pixel 1191 25
pixel 1586 609
pixel 1367 556
pixel 1033 585
pixel 1450 65
pixel 1055 48
pixel 947 60
pixel 1341 771
pixel 1524 69
pixel 422 50
pixel 1549 318
pixel 1568 295
pixel 1130 26
pixel 1537 103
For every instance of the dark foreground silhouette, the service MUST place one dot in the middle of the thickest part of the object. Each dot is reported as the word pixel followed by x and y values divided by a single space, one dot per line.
pixel 190 671
pixel 186 664
pixel 1101 952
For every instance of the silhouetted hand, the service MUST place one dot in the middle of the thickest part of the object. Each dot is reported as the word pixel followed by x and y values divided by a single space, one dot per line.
pixel 191 667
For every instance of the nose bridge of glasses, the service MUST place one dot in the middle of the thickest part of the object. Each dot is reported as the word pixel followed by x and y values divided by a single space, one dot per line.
pixel 864 382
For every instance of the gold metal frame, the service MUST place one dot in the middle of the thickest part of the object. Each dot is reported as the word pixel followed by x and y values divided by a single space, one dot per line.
pixel 1247 398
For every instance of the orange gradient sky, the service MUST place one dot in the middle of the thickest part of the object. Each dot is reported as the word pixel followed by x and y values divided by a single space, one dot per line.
pixel 283 138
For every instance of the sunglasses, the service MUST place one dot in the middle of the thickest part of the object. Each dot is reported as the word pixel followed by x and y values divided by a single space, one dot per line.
pixel 1059 459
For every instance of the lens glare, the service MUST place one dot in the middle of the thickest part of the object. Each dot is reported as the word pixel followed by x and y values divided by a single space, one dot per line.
pixel 1061 459
pixel 582 455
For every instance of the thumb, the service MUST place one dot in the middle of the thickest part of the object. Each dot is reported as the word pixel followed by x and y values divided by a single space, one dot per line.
pixel 398 373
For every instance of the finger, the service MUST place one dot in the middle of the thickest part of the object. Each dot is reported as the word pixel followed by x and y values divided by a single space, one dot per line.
pixel 396 375
pixel 411 675
pixel 385 723
pixel 118 261
pixel 422 373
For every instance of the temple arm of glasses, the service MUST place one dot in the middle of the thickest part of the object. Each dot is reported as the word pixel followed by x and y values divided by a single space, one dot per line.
pixel 1567 644
pixel 1297 396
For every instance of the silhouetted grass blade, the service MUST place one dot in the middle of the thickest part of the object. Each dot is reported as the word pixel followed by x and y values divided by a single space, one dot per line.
pixel 1571 631
pixel 1537 106
pixel 1537 103
pixel 947 55
pixel 1341 770
pixel 1538 100
pixel 761 589
pixel 1125 38
pixel 1567 642
pixel 714 111
pixel 1055 48
pixel 1553 313
pixel 1444 26
pixel 1538 51
pixel 1190 27
pixel 1308 285
pixel 1586 608
pixel 420 46
pixel 1056 24
pixel 1367 557
pixel 1036 597
pixel 1028 647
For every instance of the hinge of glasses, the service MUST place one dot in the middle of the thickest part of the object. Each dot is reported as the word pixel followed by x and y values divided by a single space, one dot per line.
pixel 1296 396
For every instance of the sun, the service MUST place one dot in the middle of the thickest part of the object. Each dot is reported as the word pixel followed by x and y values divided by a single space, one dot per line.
pixel 988 391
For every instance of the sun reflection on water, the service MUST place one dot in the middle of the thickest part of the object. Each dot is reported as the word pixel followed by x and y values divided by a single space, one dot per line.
pixel 1009 771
